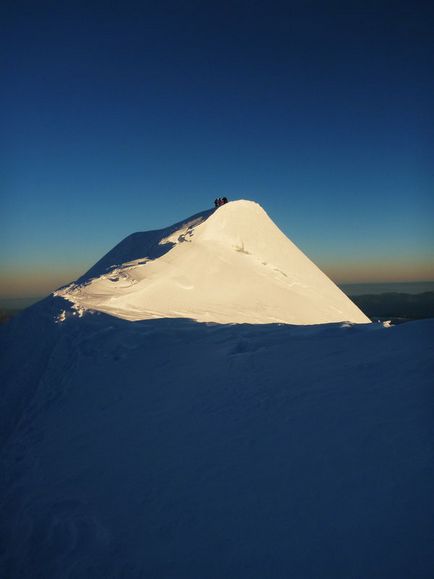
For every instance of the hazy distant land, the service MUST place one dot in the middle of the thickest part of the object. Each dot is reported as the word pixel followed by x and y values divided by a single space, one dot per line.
pixel 398 302
pixel 409 287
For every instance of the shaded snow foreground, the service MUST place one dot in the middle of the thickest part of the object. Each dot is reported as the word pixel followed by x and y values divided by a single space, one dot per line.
pixel 167 448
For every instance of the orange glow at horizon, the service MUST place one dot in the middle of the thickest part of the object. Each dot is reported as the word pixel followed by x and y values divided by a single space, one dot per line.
pixel 42 280
pixel 380 272
pixel 35 282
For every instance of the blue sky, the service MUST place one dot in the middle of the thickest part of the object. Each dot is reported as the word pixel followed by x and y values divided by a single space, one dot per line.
pixel 128 116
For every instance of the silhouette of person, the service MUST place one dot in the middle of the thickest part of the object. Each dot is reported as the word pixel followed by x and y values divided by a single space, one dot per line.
pixel 220 201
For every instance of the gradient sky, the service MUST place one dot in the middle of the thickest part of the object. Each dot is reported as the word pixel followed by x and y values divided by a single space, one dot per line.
pixel 122 116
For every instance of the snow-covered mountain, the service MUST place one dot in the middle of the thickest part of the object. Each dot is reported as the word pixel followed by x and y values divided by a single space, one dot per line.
pixel 228 265
pixel 169 448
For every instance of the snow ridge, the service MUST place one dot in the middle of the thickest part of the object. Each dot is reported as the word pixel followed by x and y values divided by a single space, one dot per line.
pixel 229 265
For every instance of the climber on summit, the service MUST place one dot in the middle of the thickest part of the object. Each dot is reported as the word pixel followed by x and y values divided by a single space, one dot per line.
pixel 220 201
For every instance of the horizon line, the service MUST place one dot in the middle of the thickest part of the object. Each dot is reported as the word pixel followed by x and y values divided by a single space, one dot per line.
pixel 35 298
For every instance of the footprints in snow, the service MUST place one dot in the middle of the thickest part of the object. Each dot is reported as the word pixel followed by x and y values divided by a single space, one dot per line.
pixel 242 249
pixel 244 346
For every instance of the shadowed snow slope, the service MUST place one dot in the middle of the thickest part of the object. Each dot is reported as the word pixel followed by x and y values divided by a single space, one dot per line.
pixel 174 449
pixel 231 265
pixel 168 448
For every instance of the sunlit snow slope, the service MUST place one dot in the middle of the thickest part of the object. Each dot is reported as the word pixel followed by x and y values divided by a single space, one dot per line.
pixel 231 265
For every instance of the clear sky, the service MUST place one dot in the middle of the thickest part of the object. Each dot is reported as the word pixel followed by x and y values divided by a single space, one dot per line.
pixel 125 116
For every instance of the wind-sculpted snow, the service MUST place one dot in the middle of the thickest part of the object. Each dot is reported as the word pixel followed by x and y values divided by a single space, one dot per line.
pixel 142 246
pixel 231 265
pixel 169 448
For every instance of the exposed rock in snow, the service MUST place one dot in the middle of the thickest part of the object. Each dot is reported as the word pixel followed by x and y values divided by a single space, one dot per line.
pixel 231 265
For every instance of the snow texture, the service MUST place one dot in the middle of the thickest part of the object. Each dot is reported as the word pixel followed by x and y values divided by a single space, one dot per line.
pixel 168 448
pixel 228 265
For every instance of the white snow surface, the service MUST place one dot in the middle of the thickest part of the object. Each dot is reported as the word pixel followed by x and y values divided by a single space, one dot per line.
pixel 231 265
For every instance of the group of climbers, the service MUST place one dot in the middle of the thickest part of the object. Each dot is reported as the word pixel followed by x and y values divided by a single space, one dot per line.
pixel 220 201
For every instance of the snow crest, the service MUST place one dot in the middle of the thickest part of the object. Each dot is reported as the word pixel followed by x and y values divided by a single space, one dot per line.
pixel 229 265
